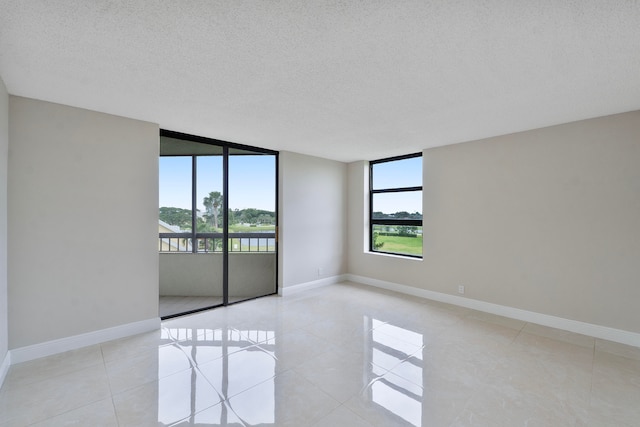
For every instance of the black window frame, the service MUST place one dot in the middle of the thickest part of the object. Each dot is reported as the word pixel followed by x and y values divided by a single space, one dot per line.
pixel 193 233
pixel 226 148
pixel 389 221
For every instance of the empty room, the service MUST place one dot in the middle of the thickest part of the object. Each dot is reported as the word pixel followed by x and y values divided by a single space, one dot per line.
pixel 320 213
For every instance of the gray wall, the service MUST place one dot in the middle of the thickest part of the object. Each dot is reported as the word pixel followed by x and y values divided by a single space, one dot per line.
pixel 4 159
pixel 250 274
pixel 83 212
pixel 313 222
pixel 546 220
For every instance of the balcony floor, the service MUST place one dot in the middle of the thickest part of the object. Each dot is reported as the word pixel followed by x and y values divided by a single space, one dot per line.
pixel 170 305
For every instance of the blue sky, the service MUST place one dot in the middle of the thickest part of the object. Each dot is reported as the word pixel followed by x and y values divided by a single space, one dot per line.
pixel 251 181
pixel 396 174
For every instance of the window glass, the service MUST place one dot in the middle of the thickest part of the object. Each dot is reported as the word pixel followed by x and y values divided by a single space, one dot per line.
pixel 396 206
pixel 398 173
pixel 398 239
pixel 209 196
pixel 251 213
pixel 402 205
pixel 175 189
pixel 246 172
pixel 252 201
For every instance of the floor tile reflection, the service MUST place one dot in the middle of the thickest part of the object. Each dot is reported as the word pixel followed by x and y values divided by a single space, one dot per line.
pixel 341 355
pixel 167 400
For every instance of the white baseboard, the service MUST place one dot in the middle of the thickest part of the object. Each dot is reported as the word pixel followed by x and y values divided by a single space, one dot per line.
pixel 4 367
pixel 597 331
pixel 24 354
pixel 289 290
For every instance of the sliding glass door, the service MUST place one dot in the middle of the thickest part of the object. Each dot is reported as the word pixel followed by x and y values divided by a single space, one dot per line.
pixel 217 223
pixel 252 224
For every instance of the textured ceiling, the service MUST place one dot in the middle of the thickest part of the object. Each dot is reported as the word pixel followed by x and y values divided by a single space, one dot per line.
pixel 346 80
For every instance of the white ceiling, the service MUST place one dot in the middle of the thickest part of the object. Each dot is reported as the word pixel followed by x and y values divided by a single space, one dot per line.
pixel 346 80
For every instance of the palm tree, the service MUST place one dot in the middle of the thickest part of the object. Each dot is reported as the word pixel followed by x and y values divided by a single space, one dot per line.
pixel 213 203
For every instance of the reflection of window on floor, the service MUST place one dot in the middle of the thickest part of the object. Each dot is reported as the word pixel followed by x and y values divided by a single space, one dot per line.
pixel 399 397
pixel 226 359
pixel 390 346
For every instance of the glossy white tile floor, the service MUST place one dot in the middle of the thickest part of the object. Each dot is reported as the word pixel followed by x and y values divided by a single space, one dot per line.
pixel 343 355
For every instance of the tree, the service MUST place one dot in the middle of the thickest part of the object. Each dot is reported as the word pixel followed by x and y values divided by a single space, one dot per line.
pixel 376 244
pixel 232 216
pixel 249 215
pixel 176 216
pixel 264 219
pixel 407 231
pixel 213 203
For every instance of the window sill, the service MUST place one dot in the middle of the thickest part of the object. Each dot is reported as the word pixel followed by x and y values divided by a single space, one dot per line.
pixel 405 257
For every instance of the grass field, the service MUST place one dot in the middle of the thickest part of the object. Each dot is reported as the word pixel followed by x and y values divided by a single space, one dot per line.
pixel 401 245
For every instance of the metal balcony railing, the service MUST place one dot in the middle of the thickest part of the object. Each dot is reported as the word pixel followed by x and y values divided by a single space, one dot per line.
pixel 212 242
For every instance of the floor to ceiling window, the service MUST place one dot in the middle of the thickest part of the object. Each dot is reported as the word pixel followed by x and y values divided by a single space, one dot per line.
pixel 217 223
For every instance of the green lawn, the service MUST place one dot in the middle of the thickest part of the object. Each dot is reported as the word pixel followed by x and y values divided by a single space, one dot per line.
pixel 401 245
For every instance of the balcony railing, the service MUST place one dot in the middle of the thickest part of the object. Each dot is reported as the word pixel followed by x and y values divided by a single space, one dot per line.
pixel 212 242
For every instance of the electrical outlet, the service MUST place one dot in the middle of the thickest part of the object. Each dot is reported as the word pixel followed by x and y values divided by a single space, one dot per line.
pixel 320 271
pixel 461 289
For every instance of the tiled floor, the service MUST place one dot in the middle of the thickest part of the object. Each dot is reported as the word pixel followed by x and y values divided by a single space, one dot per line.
pixel 342 355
